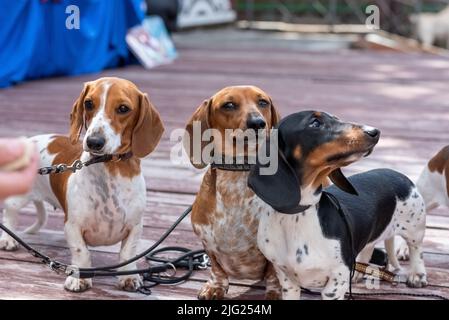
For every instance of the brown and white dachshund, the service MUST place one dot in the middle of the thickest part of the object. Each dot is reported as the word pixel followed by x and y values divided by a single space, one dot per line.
pixel 433 184
pixel 223 215
pixel 434 180
pixel 103 203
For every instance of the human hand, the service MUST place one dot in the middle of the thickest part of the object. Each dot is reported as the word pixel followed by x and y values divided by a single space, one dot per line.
pixel 20 181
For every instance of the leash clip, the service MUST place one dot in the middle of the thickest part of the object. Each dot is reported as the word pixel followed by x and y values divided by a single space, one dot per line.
pixel 57 267
pixel 45 170
pixel 77 165
pixel 172 273
pixel 60 168
pixel 73 271
pixel 204 263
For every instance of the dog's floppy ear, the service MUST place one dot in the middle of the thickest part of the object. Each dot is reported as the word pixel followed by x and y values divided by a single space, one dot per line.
pixel 199 117
pixel 148 130
pixel 280 190
pixel 339 179
pixel 275 116
pixel 77 116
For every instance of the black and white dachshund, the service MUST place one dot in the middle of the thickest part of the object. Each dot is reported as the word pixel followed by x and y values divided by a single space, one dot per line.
pixel 303 232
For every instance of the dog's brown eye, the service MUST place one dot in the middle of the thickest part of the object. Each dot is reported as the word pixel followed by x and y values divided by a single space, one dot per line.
pixel 229 106
pixel 88 105
pixel 123 109
pixel 263 103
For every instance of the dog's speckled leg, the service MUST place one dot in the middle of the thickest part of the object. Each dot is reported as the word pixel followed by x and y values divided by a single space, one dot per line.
pixel 337 285
pixel 417 276
pixel 290 289
pixel 273 288
pixel 129 247
pixel 80 257
pixel 217 285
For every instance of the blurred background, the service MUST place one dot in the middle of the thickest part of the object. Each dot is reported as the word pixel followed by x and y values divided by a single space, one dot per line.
pixel 396 15
pixel 40 38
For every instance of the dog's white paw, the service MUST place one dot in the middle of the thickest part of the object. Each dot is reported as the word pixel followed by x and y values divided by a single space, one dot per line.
pixel 402 251
pixel 77 285
pixel 130 283
pixel 8 244
pixel 417 280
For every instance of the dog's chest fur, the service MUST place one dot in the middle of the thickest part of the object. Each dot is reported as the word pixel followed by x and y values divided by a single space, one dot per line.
pixel 295 244
pixel 230 230
pixel 105 206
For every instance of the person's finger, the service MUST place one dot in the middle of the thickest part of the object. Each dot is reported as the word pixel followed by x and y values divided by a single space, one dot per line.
pixel 10 150
pixel 18 182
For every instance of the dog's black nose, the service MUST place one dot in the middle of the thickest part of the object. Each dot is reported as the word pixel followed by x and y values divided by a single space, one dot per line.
pixel 95 142
pixel 255 122
pixel 372 132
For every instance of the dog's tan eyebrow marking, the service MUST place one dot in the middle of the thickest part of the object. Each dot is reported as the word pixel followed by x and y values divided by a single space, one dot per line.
pixel 317 114
pixel 297 152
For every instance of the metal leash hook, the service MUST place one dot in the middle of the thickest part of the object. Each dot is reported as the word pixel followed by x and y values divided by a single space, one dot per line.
pixel 57 267
pixel 73 271
pixel 60 168
pixel 172 273
pixel 205 262
pixel 77 165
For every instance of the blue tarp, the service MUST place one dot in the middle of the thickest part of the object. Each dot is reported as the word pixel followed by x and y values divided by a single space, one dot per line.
pixel 35 43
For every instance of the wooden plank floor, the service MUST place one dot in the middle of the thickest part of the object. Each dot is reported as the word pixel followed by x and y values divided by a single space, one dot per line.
pixel 403 94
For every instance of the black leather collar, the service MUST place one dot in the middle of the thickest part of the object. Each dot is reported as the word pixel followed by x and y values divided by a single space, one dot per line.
pixel 294 210
pixel 242 164
pixel 232 167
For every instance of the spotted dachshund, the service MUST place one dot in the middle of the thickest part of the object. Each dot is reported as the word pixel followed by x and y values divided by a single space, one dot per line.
pixel 311 234
pixel 223 214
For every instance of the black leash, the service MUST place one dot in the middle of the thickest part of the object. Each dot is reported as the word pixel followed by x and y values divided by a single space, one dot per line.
pixel 189 259
pixel 345 218
pixel 159 274
pixel 54 265
pixel 111 270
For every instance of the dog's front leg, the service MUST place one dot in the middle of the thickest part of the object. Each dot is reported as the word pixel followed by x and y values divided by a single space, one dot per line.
pixel 417 277
pixel 290 290
pixel 128 251
pixel 337 285
pixel 217 285
pixel 273 288
pixel 80 257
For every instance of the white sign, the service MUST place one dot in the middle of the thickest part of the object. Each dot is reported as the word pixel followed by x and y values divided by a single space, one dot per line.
pixel 204 12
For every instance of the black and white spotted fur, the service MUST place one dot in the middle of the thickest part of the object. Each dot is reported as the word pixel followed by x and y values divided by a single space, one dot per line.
pixel 312 248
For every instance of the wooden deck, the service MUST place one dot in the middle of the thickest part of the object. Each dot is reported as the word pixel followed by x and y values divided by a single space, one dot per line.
pixel 406 95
